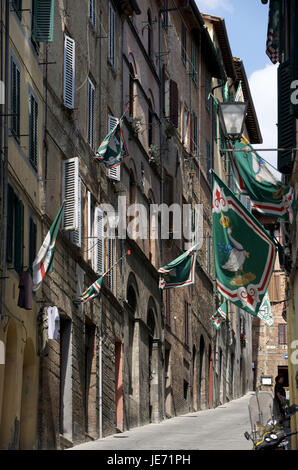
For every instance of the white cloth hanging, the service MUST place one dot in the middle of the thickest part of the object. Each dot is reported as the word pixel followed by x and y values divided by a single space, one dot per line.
pixel 53 322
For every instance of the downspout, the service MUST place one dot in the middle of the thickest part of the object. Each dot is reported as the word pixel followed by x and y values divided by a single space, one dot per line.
pixel 161 200
pixel 5 163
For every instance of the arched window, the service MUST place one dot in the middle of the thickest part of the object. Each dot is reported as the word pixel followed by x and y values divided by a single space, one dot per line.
pixel 131 90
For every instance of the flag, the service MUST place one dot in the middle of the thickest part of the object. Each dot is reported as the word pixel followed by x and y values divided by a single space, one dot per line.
pixel 180 272
pixel 92 291
pixel 254 178
pixel 239 93
pixel 95 289
pixel 226 92
pixel 265 312
pixel 273 32
pixel 244 254
pixel 220 315
pixel 113 148
pixel 43 262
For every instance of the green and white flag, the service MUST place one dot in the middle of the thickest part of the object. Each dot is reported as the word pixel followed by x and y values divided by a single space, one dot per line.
pixel 113 148
pixel 273 32
pixel 92 291
pixel 244 253
pixel 220 315
pixel 43 262
pixel 180 272
pixel 254 178
pixel 265 312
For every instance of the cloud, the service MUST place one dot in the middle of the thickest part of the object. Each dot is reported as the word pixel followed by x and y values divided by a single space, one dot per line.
pixel 263 87
pixel 213 6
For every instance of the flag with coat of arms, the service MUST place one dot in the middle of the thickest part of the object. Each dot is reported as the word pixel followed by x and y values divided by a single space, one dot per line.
pixel 180 272
pixel 113 148
pixel 265 312
pixel 244 253
pixel 220 315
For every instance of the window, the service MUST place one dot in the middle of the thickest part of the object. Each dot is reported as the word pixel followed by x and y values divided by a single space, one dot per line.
pixel 15 99
pixel 114 173
pixel 165 15
pixel 131 90
pixel 186 323
pixel 17 6
pixel 32 240
pixel 150 35
pixel 42 20
pixel 183 43
pixel 76 235
pixel 111 260
pixel 208 161
pixel 174 102
pixel 98 234
pixel 185 389
pixel 91 104
pixel 208 253
pixel 70 193
pixel 15 230
pixel 150 125
pixel 282 333
pixel 185 128
pixel 208 90
pixel 33 131
pixel 92 12
pixel 69 72
pixel 195 133
pixel 194 62
pixel 111 52
pixel 168 306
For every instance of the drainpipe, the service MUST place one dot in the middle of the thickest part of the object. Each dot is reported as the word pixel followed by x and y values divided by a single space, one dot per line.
pixel 5 163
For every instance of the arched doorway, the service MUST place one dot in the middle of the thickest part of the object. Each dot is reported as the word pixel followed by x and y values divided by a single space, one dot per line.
pixel 202 393
pixel 153 367
pixel 210 378
pixel 9 428
pixel 29 398
pixel 194 379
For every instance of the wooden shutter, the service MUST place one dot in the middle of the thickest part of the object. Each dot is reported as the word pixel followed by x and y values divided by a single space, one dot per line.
pixel 19 237
pixel 174 103
pixel 114 173
pixel 90 241
pixel 99 249
pixel 91 103
pixel 92 12
pixel 43 20
pixel 286 120
pixel 10 223
pixel 70 194
pixel 69 72
pixel 76 236
pixel 15 98
pixel 33 131
pixel 32 241
pixel 111 34
pixel 282 333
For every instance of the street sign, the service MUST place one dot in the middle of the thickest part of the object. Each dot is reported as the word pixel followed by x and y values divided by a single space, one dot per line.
pixel 286 356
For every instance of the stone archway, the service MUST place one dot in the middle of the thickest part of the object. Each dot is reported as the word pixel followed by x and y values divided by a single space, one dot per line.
pixel 29 398
pixel 9 427
pixel 153 366
pixel 202 374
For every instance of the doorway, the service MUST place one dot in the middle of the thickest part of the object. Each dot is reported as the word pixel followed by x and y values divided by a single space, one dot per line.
pixel 210 378
pixel 118 385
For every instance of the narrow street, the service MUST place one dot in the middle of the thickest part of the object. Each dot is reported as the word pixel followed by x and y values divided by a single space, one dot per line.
pixel 221 428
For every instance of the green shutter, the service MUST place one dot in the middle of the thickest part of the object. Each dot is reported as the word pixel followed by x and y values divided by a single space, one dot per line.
pixel 33 142
pixel 43 21
pixel 286 119
pixel 32 241
pixel 19 237
pixel 10 216
pixel 15 99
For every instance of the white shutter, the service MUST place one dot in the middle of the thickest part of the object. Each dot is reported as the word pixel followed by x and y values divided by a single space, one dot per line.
pixel 69 72
pixel 90 241
pixel 111 245
pixel 91 102
pixel 99 249
pixel 76 236
pixel 114 173
pixel 70 193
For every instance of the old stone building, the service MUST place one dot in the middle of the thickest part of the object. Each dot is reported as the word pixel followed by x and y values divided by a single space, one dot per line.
pixel 136 354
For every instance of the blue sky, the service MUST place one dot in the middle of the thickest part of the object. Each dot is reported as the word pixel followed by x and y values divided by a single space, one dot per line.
pixel 246 24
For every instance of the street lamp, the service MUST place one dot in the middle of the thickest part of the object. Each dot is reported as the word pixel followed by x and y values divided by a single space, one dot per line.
pixel 232 115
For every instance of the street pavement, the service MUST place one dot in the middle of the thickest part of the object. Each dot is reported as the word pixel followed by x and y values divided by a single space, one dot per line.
pixel 221 428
